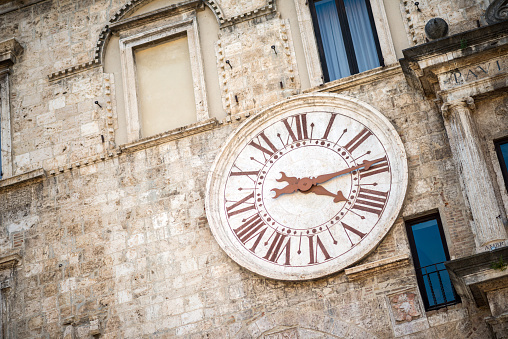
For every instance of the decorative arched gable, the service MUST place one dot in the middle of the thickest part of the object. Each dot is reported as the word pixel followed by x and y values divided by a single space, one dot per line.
pixel 133 5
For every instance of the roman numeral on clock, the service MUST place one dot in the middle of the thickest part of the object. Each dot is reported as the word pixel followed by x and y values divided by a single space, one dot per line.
pixel 357 140
pixel 238 207
pixel 371 201
pixel 258 145
pixel 313 249
pixel 299 131
pixel 329 127
pixel 276 249
pixel 353 230
pixel 245 173
pixel 380 167
pixel 251 227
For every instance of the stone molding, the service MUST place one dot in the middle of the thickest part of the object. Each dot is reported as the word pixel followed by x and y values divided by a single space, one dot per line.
pixel 10 50
pixel 32 176
pixel 174 134
pixel 10 6
pixel 425 64
pixel 142 144
pixel 473 276
pixel 10 261
pixel 497 12
pixel 376 267
pixel 152 16
pixel 448 106
pixel 376 74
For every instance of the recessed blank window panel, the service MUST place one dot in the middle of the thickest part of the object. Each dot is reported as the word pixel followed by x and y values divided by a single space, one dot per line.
pixel 165 86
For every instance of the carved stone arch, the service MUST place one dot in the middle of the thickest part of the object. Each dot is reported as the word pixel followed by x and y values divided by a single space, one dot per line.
pixel 129 8
pixel 301 325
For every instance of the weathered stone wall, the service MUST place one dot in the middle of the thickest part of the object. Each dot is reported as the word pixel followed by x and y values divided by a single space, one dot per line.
pixel 118 244
pixel 461 15
pixel 126 241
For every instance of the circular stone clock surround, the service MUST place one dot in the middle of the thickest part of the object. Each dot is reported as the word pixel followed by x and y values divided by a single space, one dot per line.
pixel 267 201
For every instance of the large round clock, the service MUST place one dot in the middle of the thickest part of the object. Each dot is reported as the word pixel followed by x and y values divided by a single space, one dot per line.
pixel 307 187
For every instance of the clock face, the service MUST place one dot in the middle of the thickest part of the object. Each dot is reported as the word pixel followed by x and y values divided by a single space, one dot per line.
pixel 303 191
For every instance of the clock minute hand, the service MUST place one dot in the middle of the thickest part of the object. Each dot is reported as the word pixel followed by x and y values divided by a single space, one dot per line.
pixel 325 177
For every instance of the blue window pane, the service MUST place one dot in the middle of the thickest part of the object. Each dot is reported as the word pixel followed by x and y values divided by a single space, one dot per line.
pixel 431 254
pixel 332 39
pixel 437 285
pixel 0 144
pixel 428 243
pixel 362 34
pixel 504 152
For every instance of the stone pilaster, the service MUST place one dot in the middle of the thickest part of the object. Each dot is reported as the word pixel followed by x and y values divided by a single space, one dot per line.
pixel 478 190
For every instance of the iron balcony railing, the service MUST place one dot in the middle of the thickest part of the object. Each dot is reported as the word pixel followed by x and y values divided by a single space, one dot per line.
pixel 436 286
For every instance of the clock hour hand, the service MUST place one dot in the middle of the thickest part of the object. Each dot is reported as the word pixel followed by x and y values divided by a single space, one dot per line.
pixel 285 190
pixel 289 180
pixel 292 187
pixel 320 190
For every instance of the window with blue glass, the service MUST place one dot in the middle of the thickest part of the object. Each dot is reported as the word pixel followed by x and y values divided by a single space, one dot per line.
pixel 346 36
pixel 428 246
pixel 502 154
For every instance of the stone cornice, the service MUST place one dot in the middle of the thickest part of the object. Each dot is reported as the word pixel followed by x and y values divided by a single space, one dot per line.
pixel 372 268
pixel 25 178
pixel 174 134
pixel 380 73
pixel 423 65
pixel 141 144
pixel 9 51
pixel 9 261
pixel 465 42
pixel 266 9
pixel 473 276
pixel 155 15
pixel 7 6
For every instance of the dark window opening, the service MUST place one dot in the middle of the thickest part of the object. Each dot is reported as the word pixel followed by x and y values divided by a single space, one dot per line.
pixel 502 154
pixel 346 36
pixel 428 246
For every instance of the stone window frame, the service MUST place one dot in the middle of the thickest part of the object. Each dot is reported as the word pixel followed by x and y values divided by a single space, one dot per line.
pixel 10 50
pixel 409 223
pixel 128 44
pixel 503 163
pixel 310 45
pixel 5 127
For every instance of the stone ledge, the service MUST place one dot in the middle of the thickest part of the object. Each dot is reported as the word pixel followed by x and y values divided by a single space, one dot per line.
pixel 35 175
pixel 473 277
pixel 174 134
pixel 7 6
pixel 9 50
pixel 361 271
pixel 379 73
pixel 9 261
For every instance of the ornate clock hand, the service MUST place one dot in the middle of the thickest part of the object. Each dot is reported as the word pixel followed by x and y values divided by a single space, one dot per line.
pixel 289 180
pixel 320 190
pixel 285 190
pixel 325 177
pixel 292 187
pixel 307 184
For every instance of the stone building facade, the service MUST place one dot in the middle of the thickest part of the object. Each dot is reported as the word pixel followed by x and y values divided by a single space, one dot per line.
pixel 103 226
